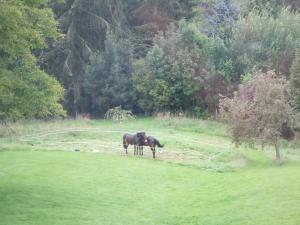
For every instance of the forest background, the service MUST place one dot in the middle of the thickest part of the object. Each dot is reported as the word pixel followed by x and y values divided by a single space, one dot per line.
pixel 84 57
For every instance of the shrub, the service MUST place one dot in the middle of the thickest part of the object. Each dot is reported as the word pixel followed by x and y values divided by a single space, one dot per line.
pixel 119 114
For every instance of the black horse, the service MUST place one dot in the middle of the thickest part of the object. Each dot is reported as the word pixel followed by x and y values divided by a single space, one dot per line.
pixel 137 140
pixel 152 142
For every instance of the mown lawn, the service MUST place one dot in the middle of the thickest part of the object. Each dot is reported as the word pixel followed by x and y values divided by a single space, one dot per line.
pixel 83 188
pixel 199 178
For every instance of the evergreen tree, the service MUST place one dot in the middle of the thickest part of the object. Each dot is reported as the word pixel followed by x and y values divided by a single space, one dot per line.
pixel 108 78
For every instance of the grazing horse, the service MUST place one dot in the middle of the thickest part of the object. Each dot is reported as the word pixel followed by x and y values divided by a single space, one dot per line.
pixel 152 142
pixel 138 140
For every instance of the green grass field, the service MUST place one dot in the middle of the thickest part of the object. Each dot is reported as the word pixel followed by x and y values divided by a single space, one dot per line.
pixel 199 177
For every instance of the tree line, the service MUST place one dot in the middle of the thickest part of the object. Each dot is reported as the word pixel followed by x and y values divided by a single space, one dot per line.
pixel 75 57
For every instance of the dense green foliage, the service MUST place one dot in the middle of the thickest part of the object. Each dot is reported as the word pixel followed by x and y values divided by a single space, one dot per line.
pixel 145 56
pixel 169 78
pixel 262 42
pixel 177 56
pixel 25 90
pixel 24 27
pixel 29 94
pixel 108 80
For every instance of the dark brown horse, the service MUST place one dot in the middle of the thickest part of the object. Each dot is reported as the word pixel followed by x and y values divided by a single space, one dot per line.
pixel 137 140
pixel 152 142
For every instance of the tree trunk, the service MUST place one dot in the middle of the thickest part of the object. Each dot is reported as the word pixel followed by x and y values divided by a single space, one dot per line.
pixel 277 150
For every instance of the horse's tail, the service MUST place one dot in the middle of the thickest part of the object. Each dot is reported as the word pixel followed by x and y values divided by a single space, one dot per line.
pixel 158 144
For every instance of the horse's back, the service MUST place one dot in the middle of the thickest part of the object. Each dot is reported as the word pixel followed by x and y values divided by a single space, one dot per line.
pixel 126 135
pixel 129 138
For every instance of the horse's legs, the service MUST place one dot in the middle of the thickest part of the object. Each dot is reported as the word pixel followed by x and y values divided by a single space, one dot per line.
pixel 125 147
pixel 153 152
pixel 134 151
pixel 141 150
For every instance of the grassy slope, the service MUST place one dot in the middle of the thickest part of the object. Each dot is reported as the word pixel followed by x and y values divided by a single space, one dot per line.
pixel 59 187
pixel 83 188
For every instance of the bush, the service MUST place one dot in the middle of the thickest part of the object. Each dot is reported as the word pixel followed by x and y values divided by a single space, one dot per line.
pixel 119 114
pixel 35 95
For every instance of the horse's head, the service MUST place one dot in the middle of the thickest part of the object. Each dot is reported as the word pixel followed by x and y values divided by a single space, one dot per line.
pixel 142 138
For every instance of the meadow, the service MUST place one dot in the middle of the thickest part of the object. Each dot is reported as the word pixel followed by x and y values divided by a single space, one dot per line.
pixel 76 172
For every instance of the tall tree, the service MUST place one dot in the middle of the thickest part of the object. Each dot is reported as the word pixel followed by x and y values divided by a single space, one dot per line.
pixel 25 90
pixel 108 78
pixel 84 24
